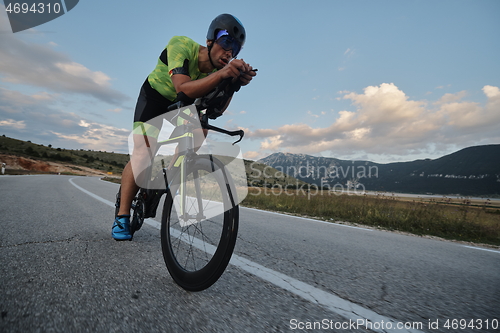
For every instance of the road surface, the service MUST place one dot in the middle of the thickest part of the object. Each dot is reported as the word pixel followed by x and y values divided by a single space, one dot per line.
pixel 62 272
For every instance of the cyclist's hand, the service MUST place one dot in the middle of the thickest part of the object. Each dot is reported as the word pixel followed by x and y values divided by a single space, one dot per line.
pixel 247 75
pixel 234 69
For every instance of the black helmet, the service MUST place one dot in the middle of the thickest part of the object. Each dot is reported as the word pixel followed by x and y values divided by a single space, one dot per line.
pixel 231 24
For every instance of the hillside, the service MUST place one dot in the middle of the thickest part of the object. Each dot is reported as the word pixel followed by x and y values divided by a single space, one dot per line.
pixel 27 157
pixel 24 155
pixel 473 171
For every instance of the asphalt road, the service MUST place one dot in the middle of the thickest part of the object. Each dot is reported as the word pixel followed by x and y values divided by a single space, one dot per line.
pixel 62 272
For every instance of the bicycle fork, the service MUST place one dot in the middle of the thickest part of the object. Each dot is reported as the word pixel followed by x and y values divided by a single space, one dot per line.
pixel 187 219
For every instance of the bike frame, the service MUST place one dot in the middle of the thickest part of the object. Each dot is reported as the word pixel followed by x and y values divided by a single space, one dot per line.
pixel 187 153
pixel 149 199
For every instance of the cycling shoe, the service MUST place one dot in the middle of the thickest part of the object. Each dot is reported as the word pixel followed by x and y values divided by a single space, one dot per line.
pixel 121 228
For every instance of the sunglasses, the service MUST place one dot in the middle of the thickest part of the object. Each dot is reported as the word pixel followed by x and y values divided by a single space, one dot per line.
pixel 229 43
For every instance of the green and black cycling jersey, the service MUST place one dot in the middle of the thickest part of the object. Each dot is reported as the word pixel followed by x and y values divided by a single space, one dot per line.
pixel 180 56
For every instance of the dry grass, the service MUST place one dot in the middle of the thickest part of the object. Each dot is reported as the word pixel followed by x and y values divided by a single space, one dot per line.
pixel 451 220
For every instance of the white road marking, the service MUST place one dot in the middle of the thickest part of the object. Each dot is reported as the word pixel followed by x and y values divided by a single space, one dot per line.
pixel 346 309
pixel 480 248
pixel 107 202
pixel 309 219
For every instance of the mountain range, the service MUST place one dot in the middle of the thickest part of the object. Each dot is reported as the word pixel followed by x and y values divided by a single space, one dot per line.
pixel 472 171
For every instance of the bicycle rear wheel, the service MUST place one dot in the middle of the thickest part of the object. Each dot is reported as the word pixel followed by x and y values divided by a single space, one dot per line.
pixel 199 230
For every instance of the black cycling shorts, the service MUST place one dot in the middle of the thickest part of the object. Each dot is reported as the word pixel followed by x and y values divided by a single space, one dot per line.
pixel 150 106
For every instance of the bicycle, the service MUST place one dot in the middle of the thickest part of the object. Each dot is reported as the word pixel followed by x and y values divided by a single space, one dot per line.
pixel 200 217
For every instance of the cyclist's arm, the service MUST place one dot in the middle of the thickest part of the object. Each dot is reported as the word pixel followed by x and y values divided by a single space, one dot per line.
pixel 201 87
pixel 195 88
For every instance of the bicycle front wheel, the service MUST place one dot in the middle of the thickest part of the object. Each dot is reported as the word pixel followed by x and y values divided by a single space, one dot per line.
pixel 199 224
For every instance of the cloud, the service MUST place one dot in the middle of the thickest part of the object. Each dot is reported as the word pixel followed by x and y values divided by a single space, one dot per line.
pixel 116 110
pixel 37 117
pixel 13 123
pixel 97 137
pixel 349 52
pixel 492 92
pixel 387 122
pixel 46 116
pixel 385 104
pixel 41 66
pixel 252 155
pixel 310 114
pixel 272 143
pixel 449 98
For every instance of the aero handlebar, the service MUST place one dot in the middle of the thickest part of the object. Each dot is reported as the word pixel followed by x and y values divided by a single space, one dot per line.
pixel 206 102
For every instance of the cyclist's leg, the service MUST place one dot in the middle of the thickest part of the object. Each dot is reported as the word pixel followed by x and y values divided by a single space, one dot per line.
pixel 149 105
pixel 128 190
pixel 136 171
pixel 145 133
pixel 134 175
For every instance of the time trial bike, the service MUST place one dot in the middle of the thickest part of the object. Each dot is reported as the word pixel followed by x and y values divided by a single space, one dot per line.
pixel 200 217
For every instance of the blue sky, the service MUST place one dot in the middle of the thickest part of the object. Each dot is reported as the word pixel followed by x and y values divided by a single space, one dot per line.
pixel 379 80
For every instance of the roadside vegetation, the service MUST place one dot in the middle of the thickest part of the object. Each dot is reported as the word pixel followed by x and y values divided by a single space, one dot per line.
pixel 99 160
pixel 462 220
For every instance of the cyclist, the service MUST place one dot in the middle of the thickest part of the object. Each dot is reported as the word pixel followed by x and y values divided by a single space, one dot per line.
pixel 186 70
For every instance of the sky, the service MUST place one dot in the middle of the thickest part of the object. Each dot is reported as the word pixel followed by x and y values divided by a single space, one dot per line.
pixel 385 81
